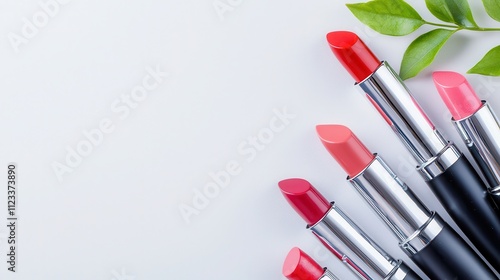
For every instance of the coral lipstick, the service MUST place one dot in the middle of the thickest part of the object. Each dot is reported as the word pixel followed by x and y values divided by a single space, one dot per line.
pixel 447 172
pixel 340 234
pixel 300 266
pixel 350 153
pixel 423 235
pixel 477 125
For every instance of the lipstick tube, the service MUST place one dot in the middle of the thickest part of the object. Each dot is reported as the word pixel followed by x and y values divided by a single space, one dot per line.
pixel 481 133
pixel 300 266
pixel 328 275
pixel 336 225
pixel 423 235
pixel 433 153
pixel 476 123
pixel 447 172
pixel 340 234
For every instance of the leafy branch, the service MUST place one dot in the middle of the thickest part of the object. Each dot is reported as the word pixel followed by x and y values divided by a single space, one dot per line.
pixel 398 18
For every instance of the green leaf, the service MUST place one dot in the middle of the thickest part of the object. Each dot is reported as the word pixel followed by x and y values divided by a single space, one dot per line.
pixel 488 65
pixel 389 17
pixel 422 51
pixel 455 11
pixel 492 8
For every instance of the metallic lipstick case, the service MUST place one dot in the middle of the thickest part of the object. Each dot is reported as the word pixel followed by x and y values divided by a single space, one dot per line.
pixel 394 101
pixel 412 223
pixel 337 230
pixel 328 275
pixel 481 134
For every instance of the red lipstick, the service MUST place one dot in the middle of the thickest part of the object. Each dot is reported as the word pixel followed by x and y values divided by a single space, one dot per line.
pixel 356 57
pixel 305 199
pixel 300 266
pixel 345 147
pixel 457 94
pixel 446 171
pixel 339 234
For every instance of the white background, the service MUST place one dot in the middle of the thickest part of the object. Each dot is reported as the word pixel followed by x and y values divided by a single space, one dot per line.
pixel 116 215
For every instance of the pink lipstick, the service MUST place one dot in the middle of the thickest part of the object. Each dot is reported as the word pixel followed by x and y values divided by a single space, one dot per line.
pixel 457 94
pixel 477 125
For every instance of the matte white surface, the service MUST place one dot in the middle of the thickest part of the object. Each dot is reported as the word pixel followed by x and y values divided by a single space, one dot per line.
pixel 116 215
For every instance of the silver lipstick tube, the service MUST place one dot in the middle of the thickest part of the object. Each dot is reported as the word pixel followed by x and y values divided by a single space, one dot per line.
pixel 337 230
pixel 481 133
pixel 412 223
pixel 328 275
pixel 395 102
pixel 448 174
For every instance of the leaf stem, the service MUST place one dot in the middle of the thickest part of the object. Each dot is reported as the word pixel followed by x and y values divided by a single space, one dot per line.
pixel 482 29
pixel 462 27
pixel 442 25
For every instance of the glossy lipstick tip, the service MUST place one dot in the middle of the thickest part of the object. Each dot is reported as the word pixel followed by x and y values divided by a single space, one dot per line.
pixel 353 54
pixel 345 147
pixel 457 94
pixel 300 266
pixel 305 199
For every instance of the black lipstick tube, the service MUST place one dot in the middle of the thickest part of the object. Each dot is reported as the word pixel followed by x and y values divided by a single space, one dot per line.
pixel 481 133
pixel 447 172
pixel 423 235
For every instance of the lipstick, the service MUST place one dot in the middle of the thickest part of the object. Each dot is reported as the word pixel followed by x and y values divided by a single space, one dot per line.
pixel 477 125
pixel 447 172
pixel 300 266
pixel 423 235
pixel 340 234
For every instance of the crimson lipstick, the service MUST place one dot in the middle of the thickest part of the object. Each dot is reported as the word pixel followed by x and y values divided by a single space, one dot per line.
pixel 424 236
pixel 477 125
pixel 300 266
pixel 340 234
pixel 447 172
pixel 304 199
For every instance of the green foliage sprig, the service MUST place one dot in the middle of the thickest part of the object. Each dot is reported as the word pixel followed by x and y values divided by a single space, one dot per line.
pixel 398 18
